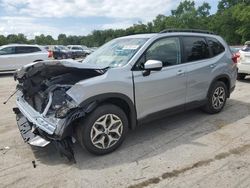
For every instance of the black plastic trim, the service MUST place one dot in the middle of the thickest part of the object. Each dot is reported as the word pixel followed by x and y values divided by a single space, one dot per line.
pixel 103 97
pixel 220 77
pixel 171 111
pixel 186 31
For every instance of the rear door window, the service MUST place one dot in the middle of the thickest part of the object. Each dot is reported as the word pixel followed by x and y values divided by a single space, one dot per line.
pixel 195 48
pixel 27 49
pixel 215 46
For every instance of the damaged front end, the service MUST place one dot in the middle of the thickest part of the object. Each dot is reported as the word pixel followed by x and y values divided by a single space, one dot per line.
pixel 44 110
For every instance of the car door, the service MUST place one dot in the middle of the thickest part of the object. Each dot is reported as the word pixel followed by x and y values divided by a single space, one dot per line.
pixel 162 89
pixel 6 58
pixel 23 56
pixel 200 67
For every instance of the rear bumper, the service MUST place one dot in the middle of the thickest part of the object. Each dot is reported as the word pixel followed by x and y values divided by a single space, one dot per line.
pixel 244 68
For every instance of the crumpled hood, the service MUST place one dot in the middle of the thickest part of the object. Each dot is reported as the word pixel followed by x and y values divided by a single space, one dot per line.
pixel 40 77
pixel 54 67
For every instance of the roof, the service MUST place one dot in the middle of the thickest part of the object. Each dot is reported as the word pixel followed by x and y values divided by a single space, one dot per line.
pixel 13 45
pixel 172 32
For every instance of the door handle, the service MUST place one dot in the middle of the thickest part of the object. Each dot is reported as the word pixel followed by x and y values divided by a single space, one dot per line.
pixel 180 72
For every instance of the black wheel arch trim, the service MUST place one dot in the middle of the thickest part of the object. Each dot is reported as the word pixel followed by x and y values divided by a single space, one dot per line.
pixel 38 60
pixel 217 78
pixel 97 99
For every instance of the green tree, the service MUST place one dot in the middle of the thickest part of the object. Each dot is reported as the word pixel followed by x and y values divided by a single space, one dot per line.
pixel 62 39
pixel 241 13
pixel 3 40
pixel 204 10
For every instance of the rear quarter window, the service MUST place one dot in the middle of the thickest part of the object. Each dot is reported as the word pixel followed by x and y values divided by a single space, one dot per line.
pixel 195 48
pixel 215 46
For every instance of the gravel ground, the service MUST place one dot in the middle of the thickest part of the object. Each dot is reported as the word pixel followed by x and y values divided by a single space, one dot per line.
pixel 191 149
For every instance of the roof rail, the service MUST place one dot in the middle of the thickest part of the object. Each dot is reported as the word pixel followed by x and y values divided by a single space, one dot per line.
pixel 186 30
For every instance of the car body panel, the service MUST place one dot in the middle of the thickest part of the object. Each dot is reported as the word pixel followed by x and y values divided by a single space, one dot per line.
pixel 115 80
pixel 16 61
pixel 200 75
pixel 244 62
pixel 158 90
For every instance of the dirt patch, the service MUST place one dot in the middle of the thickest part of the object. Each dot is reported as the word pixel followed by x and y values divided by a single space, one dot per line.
pixel 220 123
pixel 146 183
pixel 175 173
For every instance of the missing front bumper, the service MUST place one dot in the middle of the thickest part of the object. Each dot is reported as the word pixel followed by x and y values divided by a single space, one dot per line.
pixel 27 131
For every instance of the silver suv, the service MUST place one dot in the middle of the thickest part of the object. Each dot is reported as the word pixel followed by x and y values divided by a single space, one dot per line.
pixel 127 81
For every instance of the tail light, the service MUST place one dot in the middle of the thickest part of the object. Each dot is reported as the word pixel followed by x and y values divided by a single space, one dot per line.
pixel 50 54
pixel 235 57
pixel 238 54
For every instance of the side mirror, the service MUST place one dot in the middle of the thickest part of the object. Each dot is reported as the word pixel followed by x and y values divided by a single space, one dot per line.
pixel 151 65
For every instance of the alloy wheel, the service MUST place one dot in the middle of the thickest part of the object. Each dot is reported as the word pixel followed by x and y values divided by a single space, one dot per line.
pixel 106 131
pixel 218 98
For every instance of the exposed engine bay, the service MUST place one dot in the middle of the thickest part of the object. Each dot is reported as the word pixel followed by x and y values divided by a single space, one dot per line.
pixel 47 83
pixel 43 104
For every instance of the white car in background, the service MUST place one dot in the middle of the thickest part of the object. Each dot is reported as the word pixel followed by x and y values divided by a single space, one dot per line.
pixel 244 61
pixel 77 51
pixel 14 56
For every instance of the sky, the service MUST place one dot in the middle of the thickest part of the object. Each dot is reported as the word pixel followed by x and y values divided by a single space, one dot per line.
pixel 80 17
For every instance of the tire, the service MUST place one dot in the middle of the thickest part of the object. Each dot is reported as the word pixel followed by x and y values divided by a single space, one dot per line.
pixel 241 76
pixel 99 140
pixel 216 99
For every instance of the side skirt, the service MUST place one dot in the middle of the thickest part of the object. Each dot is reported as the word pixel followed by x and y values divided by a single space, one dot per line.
pixel 171 111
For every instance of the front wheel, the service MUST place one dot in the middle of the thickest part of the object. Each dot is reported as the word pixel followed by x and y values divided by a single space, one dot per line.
pixel 217 97
pixel 103 130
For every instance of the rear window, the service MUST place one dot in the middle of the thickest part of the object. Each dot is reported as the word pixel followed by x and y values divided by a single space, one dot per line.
pixel 215 46
pixel 26 49
pixel 195 48
pixel 76 48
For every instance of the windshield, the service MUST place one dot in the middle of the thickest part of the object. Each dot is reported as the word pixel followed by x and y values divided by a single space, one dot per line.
pixel 116 53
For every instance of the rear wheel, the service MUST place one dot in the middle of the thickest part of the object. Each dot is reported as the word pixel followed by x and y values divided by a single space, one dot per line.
pixel 241 76
pixel 103 130
pixel 217 97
